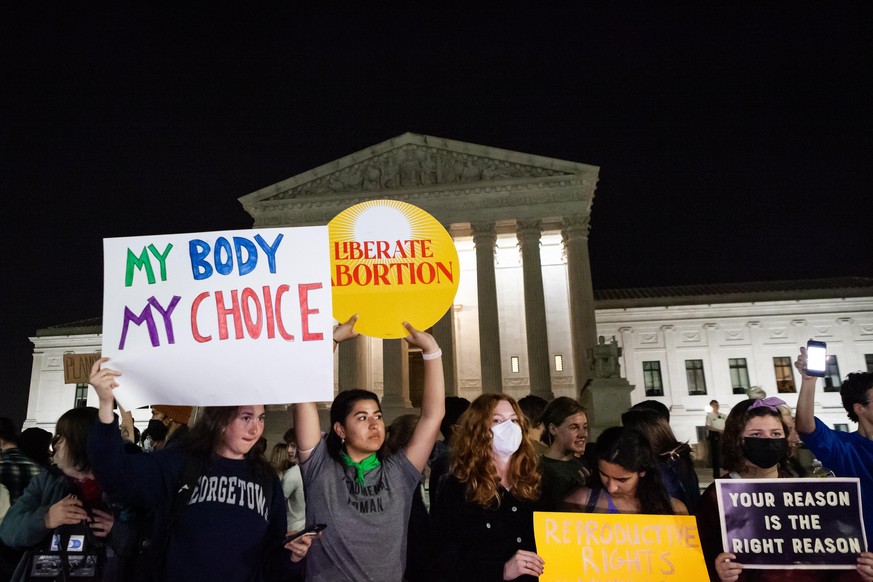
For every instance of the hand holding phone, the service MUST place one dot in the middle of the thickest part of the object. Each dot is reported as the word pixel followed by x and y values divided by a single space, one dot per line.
pixel 312 530
pixel 816 358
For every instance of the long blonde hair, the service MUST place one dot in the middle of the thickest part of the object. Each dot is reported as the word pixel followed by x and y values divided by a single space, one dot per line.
pixel 471 449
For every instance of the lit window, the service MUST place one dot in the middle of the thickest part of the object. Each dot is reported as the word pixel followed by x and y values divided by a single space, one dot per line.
pixel 81 400
pixel 559 363
pixel 694 375
pixel 832 375
pixel 513 364
pixel 652 378
pixel 784 375
pixel 739 375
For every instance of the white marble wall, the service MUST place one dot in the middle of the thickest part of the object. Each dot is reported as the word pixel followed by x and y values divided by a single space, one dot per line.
pixel 757 332
pixel 712 333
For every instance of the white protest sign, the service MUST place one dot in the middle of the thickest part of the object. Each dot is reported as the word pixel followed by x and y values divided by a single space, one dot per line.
pixel 220 318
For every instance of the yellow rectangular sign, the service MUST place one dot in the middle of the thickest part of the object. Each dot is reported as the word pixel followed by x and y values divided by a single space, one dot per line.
pixel 590 547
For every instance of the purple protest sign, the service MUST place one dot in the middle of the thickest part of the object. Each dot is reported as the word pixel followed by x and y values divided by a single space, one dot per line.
pixel 799 523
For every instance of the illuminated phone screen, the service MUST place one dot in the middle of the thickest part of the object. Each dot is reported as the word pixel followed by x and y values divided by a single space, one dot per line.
pixel 816 359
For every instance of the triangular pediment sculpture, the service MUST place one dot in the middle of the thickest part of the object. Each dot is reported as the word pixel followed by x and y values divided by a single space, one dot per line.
pixel 413 161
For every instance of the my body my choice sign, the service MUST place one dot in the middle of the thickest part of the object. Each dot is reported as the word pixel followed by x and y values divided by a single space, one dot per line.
pixel 220 318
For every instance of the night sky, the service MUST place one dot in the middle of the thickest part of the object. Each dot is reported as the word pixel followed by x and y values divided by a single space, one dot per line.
pixel 734 144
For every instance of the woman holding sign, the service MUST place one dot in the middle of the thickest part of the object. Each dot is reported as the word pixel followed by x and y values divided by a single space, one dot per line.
pixel 360 492
pixel 219 507
pixel 483 526
pixel 754 444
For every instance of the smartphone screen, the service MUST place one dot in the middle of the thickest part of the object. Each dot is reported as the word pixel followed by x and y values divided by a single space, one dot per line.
pixel 309 531
pixel 816 358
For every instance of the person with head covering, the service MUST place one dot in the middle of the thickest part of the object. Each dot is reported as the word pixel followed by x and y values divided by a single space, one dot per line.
pixel 168 426
pixel 754 446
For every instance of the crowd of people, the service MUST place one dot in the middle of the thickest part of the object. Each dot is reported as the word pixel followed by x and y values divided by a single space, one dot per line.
pixel 98 501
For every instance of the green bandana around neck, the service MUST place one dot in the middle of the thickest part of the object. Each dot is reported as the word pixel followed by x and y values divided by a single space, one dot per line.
pixel 367 464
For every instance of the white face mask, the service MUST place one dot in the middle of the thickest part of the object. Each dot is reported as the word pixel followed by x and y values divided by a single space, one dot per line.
pixel 507 438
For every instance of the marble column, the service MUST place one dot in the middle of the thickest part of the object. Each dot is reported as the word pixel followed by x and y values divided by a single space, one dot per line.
pixel 354 364
pixel 720 367
pixel 676 377
pixel 444 333
pixel 485 239
pixel 535 309
pixel 583 326
pixel 395 374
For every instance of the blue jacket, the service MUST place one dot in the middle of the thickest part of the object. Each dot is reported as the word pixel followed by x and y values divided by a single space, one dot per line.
pixel 24 527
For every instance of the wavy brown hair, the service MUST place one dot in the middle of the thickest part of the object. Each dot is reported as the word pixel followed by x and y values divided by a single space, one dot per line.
pixel 471 451
pixel 732 437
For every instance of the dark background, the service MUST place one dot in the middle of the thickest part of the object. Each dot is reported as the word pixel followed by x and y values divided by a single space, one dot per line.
pixel 734 143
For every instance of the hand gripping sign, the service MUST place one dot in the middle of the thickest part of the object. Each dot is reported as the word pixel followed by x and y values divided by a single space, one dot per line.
pixel 391 262
pixel 792 523
pixel 590 547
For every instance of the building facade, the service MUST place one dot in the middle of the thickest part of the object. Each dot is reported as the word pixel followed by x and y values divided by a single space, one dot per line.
pixel 526 318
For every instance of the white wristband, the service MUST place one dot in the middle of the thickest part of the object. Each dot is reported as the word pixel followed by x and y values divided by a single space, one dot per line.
pixel 432 355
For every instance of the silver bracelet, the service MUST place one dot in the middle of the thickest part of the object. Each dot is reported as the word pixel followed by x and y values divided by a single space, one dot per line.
pixel 432 355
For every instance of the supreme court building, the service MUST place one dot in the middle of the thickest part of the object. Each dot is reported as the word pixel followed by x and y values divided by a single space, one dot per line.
pixel 526 319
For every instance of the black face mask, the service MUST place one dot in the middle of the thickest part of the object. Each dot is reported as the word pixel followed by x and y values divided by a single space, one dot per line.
pixel 765 453
pixel 157 430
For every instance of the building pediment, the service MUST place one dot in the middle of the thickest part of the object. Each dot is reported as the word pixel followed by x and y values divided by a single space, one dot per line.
pixel 419 169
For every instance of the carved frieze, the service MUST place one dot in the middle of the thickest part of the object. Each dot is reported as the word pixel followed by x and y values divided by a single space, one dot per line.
pixel 412 166
pixel 691 337
pixel 734 336
pixel 822 331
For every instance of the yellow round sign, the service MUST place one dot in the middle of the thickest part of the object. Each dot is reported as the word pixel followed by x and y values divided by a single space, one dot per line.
pixel 391 262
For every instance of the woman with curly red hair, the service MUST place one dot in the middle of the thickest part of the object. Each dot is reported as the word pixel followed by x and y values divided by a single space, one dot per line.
pixel 483 526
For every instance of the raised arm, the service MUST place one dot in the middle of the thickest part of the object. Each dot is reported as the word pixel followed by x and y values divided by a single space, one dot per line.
pixel 433 404
pixel 804 420
pixel 104 382
pixel 140 479
pixel 307 426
